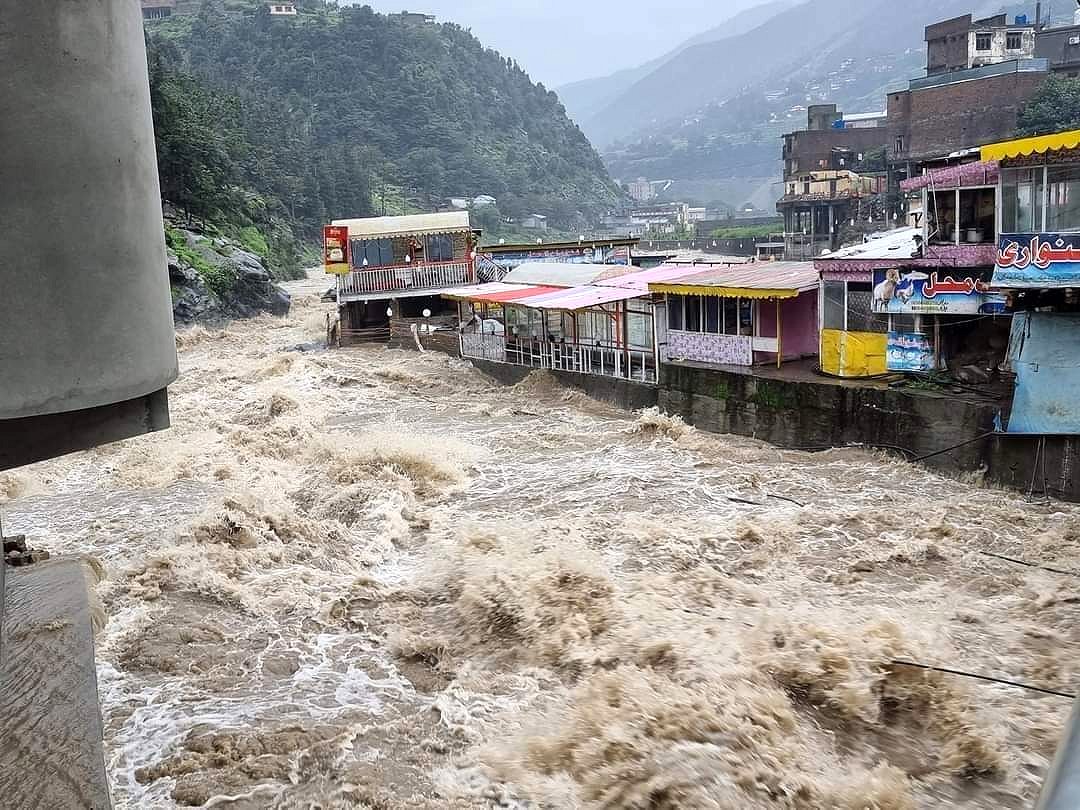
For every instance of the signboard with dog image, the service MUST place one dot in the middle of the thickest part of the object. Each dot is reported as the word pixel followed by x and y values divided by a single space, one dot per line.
pixel 939 292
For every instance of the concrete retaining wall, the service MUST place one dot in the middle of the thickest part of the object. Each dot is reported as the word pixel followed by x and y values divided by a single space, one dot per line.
pixel 812 415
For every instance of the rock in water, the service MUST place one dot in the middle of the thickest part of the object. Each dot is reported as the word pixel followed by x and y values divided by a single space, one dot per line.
pixel 197 283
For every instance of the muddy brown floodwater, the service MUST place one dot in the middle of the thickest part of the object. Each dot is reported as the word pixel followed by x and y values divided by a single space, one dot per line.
pixel 376 579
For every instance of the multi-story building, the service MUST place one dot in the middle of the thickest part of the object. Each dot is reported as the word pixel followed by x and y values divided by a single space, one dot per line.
pixel 1038 267
pixel 654 217
pixel 828 167
pixel 962 43
pixel 640 190
pixel 158 9
pixel 941 115
pixel 396 267
pixel 416 17
pixel 1061 46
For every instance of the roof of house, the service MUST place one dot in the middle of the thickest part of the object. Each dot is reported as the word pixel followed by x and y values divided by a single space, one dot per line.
pixel 606 289
pixel 761 280
pixel 561 274
pixel 446 222
pixel 584 244
pixel 896 244
pixel 982 173
pixel 469 291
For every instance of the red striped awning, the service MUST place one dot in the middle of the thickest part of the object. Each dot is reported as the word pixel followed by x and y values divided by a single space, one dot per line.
pixel 514 295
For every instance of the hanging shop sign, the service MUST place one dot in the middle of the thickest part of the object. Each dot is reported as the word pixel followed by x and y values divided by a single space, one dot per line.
pixel 336 249
pixel 909 351
pixel 1042 260
pixel 939 292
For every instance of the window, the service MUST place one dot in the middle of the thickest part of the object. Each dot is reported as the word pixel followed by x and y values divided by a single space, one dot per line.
pixel 731 316
pixel 439 248
pixel 899 144
pixel 834 304
pixel 746 317
pixel 675 312
pixel 942 215
pixel 712 315
pixel 983 41
pixel 376 253
pixel 1063 199
pixel 1021 200
pixel 860 316
pixel 693 313
pixel 1014 41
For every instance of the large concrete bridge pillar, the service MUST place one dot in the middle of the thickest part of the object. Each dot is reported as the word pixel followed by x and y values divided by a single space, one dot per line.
pixel 86 331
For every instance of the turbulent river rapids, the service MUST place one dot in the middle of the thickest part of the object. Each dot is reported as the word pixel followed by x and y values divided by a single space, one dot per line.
pixel 371 578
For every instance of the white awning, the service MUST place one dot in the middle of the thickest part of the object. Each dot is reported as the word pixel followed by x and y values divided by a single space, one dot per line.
pixel 385 227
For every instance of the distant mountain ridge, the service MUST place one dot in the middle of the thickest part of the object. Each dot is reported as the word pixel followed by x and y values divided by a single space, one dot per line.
pixel 793 40
pixel 583 99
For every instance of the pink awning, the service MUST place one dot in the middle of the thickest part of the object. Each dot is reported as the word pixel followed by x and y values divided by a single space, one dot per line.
pixel 515 295
pixel 608 290
pixel 982 173
pixel 582 297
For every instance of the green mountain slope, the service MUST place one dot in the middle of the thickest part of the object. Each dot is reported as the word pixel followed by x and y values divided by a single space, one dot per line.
pixel 339 112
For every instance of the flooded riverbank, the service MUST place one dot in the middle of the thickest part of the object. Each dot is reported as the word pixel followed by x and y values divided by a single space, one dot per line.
pixel 370 578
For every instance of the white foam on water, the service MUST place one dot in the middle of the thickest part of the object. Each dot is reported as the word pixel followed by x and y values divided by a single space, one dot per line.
pixel 375 578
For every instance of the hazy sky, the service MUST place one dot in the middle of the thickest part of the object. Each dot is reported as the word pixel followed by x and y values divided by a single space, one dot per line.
pixel 560 41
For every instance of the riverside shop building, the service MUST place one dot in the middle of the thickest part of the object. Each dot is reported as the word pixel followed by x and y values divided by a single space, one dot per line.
pixel 739 315
pixel 1038 268
pixel 582 318
pixel 392 268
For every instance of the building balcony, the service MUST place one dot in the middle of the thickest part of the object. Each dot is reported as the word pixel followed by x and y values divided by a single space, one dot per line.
pixel 393 281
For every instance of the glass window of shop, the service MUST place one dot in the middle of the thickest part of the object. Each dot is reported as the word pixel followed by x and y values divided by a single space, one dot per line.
pixel 1022 196
pixel 834 294
pixel 1062 198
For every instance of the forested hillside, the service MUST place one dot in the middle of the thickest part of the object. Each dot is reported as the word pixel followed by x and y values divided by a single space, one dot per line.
pixel 290 122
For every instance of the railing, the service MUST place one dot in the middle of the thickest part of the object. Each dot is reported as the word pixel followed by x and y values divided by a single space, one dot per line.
pixel 604 361
pixel 398 278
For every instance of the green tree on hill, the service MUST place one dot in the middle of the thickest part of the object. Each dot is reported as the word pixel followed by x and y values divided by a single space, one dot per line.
pixel 1055 107
pixel 336 102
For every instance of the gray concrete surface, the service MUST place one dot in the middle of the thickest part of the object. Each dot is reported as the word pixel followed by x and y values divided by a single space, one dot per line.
pixel 85 311
pixel 51 753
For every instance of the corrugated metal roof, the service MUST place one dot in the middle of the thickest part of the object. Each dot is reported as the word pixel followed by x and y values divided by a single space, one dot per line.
pixel 471 290
pixel 582 297
pixel 982 173
pixel 528 293
pixel 562 274
pixel 764 280
pixel 403 226
pixel 641 279
pixel 621 287
pixel 895 244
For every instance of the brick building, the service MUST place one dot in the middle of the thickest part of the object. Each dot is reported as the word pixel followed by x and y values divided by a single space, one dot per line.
pixel 962 43
pixel 823 177
pixel 958 110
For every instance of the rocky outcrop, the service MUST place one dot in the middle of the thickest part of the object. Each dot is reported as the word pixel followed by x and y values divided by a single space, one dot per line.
pixel 214 278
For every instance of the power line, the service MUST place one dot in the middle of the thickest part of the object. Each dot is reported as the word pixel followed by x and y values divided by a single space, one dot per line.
pixel 986 678
pixel 1029 564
